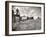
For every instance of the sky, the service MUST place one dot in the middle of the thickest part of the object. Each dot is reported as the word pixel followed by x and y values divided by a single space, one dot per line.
pixel 29 11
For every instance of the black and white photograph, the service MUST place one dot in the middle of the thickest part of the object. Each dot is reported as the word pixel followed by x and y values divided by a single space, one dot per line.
pixel 25 18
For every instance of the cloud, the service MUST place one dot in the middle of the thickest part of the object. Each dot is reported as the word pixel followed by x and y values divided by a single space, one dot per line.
pixel 29 11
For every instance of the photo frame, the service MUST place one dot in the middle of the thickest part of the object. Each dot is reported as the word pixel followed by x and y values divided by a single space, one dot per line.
pixel 24 18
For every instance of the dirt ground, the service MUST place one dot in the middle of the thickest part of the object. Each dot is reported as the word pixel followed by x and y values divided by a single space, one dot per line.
pixel 29 24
